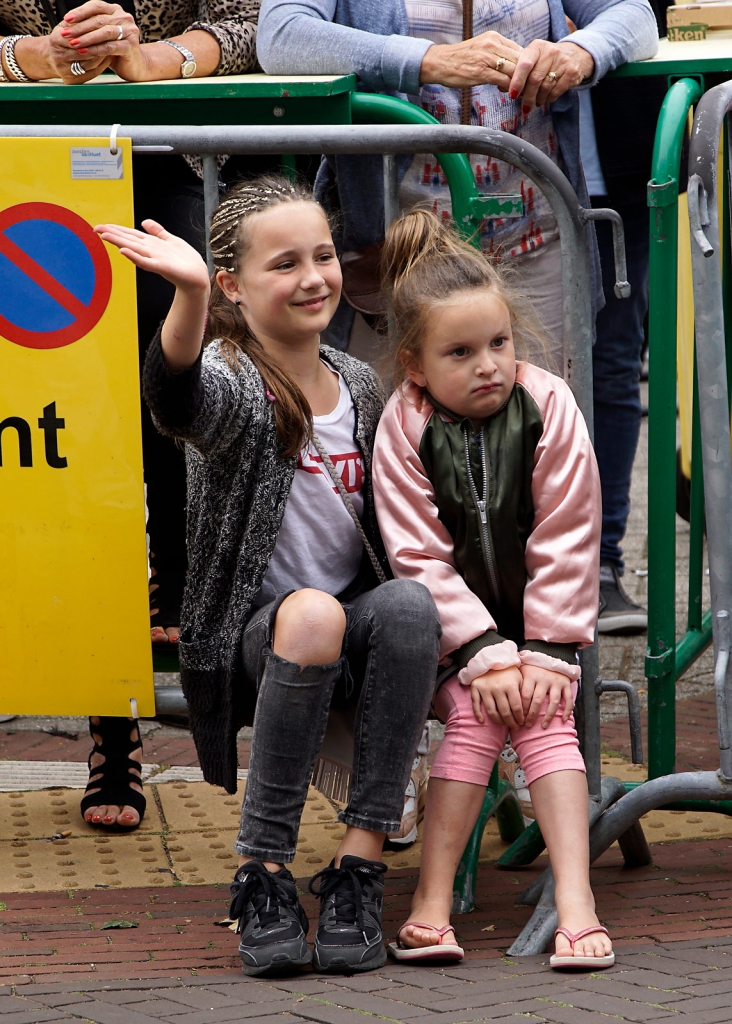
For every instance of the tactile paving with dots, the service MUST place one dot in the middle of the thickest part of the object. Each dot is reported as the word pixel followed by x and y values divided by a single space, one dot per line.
pixel 664 826
pixel 43 813
pixel 191 806
pixel 84 863
pixel 193 841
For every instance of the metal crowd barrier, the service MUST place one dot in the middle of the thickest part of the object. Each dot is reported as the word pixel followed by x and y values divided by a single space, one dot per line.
pixel 714 450
pixel 450 143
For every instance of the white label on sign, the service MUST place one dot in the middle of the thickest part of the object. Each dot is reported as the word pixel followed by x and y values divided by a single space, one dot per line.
pixel 95 164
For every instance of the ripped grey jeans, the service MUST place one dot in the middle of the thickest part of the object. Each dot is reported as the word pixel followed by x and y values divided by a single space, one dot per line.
pixel 386 669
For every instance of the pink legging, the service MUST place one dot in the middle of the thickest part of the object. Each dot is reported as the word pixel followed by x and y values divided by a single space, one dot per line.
pixel 469 750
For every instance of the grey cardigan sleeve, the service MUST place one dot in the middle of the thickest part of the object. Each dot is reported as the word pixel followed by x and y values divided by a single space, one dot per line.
pixel 613 32
pixel 299 37
pixel 205 405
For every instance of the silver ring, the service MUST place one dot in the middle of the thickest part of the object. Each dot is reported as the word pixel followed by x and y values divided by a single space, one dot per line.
pixel 77 68
pixel 121 35
pixel 500 61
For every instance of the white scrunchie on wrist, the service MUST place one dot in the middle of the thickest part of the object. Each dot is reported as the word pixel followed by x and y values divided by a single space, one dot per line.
pixel 539 660
pixel 497 656
pixel 507 655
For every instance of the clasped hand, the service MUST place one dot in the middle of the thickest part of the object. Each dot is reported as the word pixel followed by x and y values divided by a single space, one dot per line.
pixel 539 73
pixel 96 35
pixel 515 696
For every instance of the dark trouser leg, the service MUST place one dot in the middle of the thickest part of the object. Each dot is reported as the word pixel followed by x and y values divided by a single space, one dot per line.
pixel 289 724
pixel 392 642
pixel 616 372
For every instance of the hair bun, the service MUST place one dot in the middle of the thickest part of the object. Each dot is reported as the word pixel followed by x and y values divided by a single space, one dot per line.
pixel 417 238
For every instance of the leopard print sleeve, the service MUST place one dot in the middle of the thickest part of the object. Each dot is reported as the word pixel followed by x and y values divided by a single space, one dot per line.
pixel 233 23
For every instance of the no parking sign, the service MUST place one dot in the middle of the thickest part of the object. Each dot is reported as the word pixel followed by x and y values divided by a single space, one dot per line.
pixel 74 620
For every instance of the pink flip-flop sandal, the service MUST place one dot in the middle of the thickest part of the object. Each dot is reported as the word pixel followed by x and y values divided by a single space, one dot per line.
pixel 447 953
pixel 581 961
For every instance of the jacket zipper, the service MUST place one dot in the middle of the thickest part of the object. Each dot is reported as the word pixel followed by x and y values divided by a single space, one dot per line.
pixel 481 505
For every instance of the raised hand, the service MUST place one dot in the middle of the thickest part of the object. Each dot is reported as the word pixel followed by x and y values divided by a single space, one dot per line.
pixel 536 685
pixel 156 250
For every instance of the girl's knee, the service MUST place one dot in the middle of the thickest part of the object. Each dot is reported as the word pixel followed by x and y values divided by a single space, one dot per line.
pixel 404 601
pixel 309 628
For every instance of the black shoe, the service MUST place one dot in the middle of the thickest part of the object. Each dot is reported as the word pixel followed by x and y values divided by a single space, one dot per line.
pixel 272 924
pixel 618 614
pixel 349 930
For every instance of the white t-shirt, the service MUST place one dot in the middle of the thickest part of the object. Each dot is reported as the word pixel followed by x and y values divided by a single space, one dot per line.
pixel 318 545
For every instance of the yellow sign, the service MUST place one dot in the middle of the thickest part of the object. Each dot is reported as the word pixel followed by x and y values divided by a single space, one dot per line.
pixel 74 619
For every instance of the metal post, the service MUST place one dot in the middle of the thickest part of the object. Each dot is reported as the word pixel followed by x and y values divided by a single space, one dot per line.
pixel 663 191
pixel 210 201
pixel 391 189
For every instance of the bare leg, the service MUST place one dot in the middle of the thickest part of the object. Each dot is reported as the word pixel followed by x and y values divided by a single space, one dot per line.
pixel 450 815
pixel 560 802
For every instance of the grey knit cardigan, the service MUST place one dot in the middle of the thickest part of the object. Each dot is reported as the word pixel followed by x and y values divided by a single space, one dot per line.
pixel 238 485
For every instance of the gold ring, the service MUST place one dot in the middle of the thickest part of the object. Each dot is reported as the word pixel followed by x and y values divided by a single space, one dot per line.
pixel 500 61
pixel 552 76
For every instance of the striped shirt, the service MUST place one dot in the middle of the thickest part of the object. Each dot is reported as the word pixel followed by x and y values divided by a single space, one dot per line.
pixel 519 20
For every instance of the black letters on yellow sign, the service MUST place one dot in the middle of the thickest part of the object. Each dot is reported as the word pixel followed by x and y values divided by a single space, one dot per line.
pixel 50 424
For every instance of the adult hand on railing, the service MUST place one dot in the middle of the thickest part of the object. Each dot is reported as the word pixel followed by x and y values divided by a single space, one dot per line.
pixel 540 72
pixel 99 31
pixel 488 58
pixel 547 70
pixel 51 56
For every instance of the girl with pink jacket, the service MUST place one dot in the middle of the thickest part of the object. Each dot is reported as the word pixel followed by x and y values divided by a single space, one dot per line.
pixel 487 492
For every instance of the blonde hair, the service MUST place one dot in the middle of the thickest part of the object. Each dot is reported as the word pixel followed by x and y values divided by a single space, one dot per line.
pixel 424 263
pixel 230 242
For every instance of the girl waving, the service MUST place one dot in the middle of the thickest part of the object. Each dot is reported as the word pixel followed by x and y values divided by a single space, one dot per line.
pixel 284 614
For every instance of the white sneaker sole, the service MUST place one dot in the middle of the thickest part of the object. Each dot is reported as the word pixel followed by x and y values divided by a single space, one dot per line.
pixel 626 620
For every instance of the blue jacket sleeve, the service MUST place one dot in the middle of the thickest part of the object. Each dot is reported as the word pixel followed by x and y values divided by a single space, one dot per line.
pixel 613 32
pixel 299 37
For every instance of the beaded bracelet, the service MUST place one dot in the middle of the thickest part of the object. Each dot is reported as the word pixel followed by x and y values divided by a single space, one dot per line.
pixel 8 52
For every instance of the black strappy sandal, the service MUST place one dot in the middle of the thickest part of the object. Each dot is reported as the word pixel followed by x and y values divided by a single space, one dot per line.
pixel 111 780
pixel 166 596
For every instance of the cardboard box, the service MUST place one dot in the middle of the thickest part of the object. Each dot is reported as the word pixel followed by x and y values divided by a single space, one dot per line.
pixel 700 15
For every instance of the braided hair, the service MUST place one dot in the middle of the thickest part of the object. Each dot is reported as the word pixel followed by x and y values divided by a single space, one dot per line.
pixel 226 322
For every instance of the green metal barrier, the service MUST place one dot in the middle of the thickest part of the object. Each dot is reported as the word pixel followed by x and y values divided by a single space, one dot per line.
pixel 661 660
pixel 469 207
pixel 668 657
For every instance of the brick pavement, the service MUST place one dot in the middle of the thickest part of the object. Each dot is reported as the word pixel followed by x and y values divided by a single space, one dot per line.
pixel 672 923
pixel 696 732
pixel 169 746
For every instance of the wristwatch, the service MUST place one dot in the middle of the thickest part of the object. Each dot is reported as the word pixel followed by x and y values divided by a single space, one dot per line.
pixel 188 67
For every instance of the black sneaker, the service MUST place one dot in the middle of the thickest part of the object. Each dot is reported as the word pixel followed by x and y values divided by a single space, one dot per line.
pixel 349 936
pixel 618 614
pixel 272 924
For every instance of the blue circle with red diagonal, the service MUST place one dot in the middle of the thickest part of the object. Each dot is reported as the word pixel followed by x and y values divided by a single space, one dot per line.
pixel 55 276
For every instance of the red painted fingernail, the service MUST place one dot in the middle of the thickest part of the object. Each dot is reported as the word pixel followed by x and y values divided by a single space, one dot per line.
pixel 513 93
pixel 69 17
pixel 73 42
pixel 65 31
pixel 82 49
pixel 524 110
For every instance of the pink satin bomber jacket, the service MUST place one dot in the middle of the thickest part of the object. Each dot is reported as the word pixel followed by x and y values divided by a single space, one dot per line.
pixel 562 552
